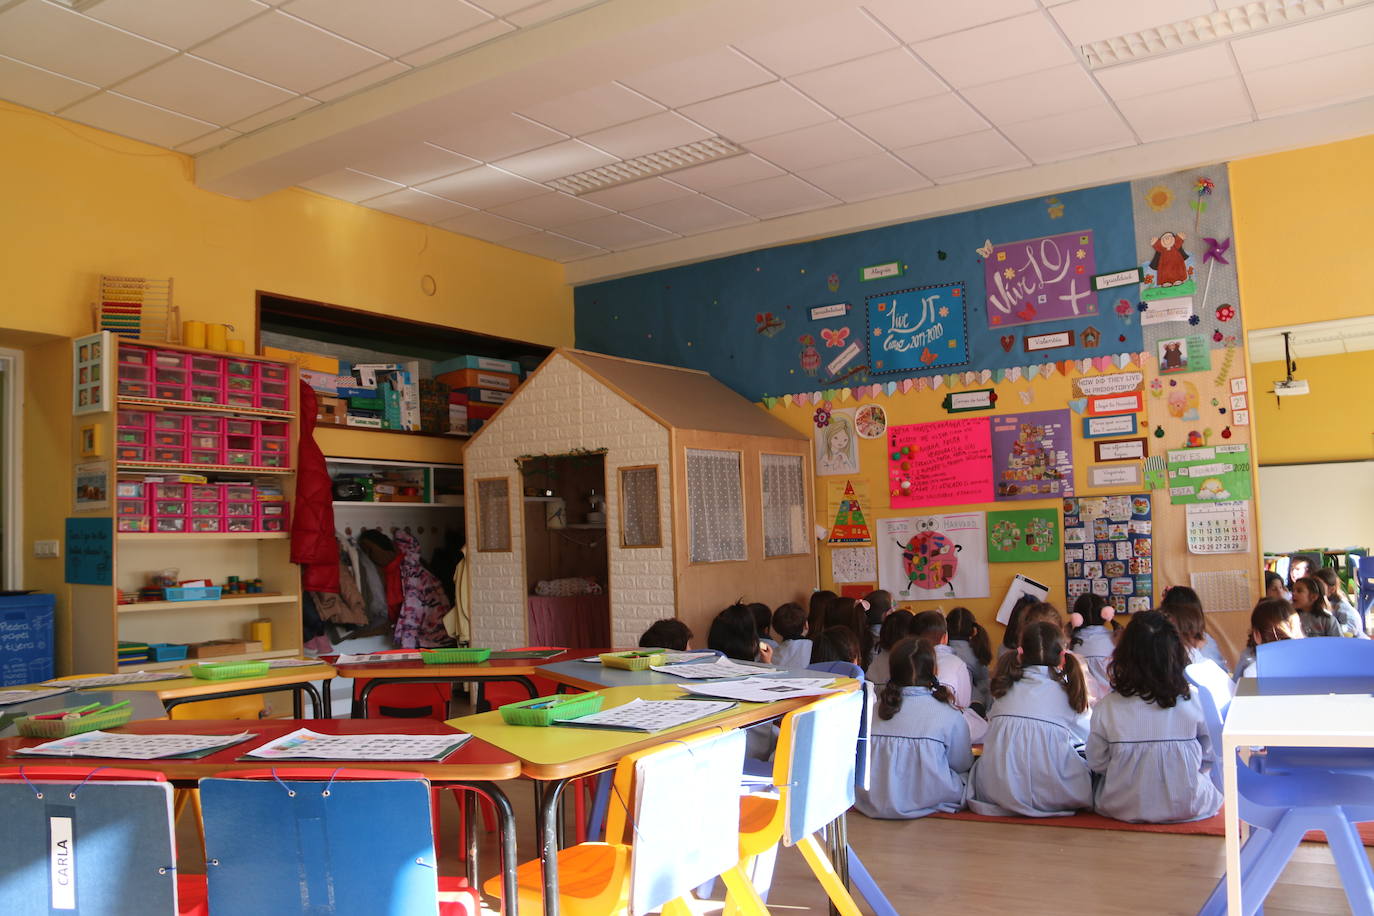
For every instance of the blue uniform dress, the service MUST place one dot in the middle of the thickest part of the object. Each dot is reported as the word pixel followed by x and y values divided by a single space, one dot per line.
pixel 1153 761
pixel 1210 650
pixel 920 759
pixel 976 669
pixel 792 654
pixel 880 669
pixel 1349 620
pixel 1096 653
pixel 1031 763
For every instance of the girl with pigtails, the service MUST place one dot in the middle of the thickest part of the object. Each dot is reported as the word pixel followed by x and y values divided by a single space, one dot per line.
pixel 1092 641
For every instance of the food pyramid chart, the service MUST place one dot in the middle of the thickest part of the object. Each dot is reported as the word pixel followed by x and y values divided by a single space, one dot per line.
pixel 849 527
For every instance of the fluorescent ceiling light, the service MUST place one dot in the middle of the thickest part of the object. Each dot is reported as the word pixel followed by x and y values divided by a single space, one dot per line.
pixel 646 166
pixel 1232 22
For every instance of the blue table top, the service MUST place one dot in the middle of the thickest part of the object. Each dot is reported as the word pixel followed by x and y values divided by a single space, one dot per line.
pixel 1303 686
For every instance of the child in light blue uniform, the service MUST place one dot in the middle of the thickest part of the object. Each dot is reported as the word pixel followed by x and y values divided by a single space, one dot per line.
pixel 896 627
pixel 794 649
pixel 1092 641
pixel 969 641
pixel 1031 763
pixel 919 742
pixel 1149 740
pixel 1191 623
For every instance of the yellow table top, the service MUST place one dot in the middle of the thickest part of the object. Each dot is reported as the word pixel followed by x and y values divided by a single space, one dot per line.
pixel 560 753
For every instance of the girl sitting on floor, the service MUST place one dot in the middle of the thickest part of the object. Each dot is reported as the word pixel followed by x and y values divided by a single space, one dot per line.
pixel 896 627
pixel 1092 641
pixel 969 641
pixel 1149 741
pixel 1309 597
pixel 1272 619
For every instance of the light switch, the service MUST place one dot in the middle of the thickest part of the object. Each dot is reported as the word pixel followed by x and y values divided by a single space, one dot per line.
pixel 47 549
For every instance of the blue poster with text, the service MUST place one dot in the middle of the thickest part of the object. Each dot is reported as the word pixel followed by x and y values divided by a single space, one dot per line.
pixel 917 329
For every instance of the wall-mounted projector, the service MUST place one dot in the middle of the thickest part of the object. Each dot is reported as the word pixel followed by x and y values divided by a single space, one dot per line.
pixel 1291 387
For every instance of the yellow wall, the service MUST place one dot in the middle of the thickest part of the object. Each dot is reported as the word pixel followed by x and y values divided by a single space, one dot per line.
pixel 1304 233
pixel 1333 423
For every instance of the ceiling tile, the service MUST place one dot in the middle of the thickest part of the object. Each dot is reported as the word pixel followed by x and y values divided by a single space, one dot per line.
pixel 203 90
pixel 208 141
pixel 369 77
pixel 817 41
pixel 503 7
pixel 822 144
pixel 555 161
pixel 923 121
pixel 484 187
pixel 637 194
pixel 615 232
pixel 37 88
pixel 553 247
pixel 458 43
pixel 132 118
pixel 1160 116
pixel 416 205
pixel 869 83
pixel 695 79
pixel 550 9
pixel 1328 35
pixel 866 178
pixel 1035 95
pixel 349 185
pixel 1084 21
pixel 1313 83
pixel 918 21
pixel 592 109
pixel 549 211
pixel 1068 135
pixel 394 28
pixel 486 226
pixel 273 115
pixel 413 163
pixel 56 39
pixel 288 52
pixel 690 215
pixel 179 23
pixel 759 112
pixel 1185 70
pixel 497 138
pixel 774 196
pixel 980 152
pixel 726 172
pixel 993 52
pixel 647 135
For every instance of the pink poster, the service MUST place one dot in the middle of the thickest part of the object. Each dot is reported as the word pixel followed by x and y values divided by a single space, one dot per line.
pixel 947 463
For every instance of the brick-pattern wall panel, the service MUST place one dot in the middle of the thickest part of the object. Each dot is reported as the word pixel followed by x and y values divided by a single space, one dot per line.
pixel 561 409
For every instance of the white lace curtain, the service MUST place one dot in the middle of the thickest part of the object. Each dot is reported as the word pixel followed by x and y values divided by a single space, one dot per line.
pixel 493 515
pixel 715 505
pixel 784 505
pixel 639 521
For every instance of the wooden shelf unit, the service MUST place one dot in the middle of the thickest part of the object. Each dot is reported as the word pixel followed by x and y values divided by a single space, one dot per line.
pixel 240 601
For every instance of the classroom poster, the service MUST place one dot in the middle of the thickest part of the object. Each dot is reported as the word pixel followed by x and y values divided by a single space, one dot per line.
pixel 1023 536
pixel 837 447
pixel 1044 279
pixel 90 551
pixel 933 557
pixel 945 463
pixel 854 564
pixel 1032 454
pixel 844 514
pixel 1109 550
pixel 1218 472
pixel 914 330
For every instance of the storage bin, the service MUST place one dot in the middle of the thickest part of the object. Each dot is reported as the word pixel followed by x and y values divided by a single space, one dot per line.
pixel 240 399
pixel 206 456
pixel 169 392
pixel 130 489
pixel 169 507
pixel 26 639
pixel 130 389
pixel 172 359
pixel 223 671
pixel 552 709
pixel 169 376
pixel 234 426
pixel 125 507
pixel 130 453
pixel 166 652
pixel 169 421
pixel 206 507
pixel 240 509
pixel 242 492
pixel 207 441
pixel 234 458
pixel 212 364
pixel 192 593
pixel 238 383
pixel 210 524
pixel 269 444
pixel 133 524
pixel 170 455
pixel 135 419
pixel 169 437
pixel 135 356
pixel 30 727
pixel 240 367
pixel 238 525
pixel 272 524
pixel 279 429
pixel 169 490
pixel 206 396
pixel 205 491
pixel 212 425
pixel 172 525
pixel 130 436
pixel 276 373
pixel 271 403
pixel 271 460
pixel 135 373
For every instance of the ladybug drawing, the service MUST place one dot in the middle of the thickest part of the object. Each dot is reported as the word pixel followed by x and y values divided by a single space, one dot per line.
pixel 930 559
pixel 810 356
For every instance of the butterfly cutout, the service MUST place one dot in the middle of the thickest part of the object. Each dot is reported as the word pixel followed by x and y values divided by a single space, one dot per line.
pixel 927 357
pixel 1026 396
pixel 986 250
pixel 835 337
pixel 1028 313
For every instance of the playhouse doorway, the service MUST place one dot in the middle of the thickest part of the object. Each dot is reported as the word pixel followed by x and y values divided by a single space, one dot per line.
pixel 567 567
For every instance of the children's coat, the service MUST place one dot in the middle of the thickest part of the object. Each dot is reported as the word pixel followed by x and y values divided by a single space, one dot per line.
pixel 920 759
pixel 1153 762
pixel 1096 651
pixel 792 654
pixel 1031 763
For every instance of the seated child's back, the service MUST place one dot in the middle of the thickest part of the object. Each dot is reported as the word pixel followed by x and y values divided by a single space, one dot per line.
pixel 794 649
pixel 896 627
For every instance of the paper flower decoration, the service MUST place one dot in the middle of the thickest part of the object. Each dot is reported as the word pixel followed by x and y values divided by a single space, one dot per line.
pixel 1141 307
pixel 1225 312
pixel 1203 186
pixel 1159 198
pixel 1193 319
pixel 821 418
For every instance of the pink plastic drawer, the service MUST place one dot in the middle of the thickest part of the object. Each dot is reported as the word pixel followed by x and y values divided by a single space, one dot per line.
pixel 162 507
pixel 135 390
pixel 203 507
pixel 135 374
pixel 207 425
pixel 269 444
pixel 132 507
pixel 170 376
pixel 135 419
pixel 271 460
pixel 206 396
pixel 172 421
pixel 238 525
pixel 126 436
pixel 137 524
pixel 273 509
pixel 169 437
pixel 131 453
pixel 130 489
pixel 172 359
pixel 240 383
pixel 278 429
pixel 201 363
pixel 240 443
pixel 236 427
pixel 169 524
pixel 205 442
pixel 207 380
pixel 239 459
pixel 207 524
pixel 272 524
pixel 240 510
pixel 205 456
pixel 240 367
pixel 170 392
pixel 169 491
pixel 272 389
pixel 240 399
pixel 170 455
pixel 271 403
pixel 134 356
pixel 205 491
pixel 238 492
pixel 272 372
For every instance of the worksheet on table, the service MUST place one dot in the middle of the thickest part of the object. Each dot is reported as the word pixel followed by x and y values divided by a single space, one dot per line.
pixel 765 689
pixel 304 744
pixel 649 715
pixel 720 668
pixel 133 747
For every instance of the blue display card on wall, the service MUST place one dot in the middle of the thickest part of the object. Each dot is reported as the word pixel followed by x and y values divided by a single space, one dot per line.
pixel 917 329
pixel 90 551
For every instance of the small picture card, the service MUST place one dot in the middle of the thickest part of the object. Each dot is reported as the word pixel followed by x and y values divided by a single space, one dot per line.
pixel 958 402
pixel 882 271
pixel 1184 354
pixel 1160 312
pixel 1053 341
pixel 1238 402
pixel 845 357
pixel 1120 403
pixel 822 312
pixel 1114 475
pixel 1119 449
pixel 1117 278
pixel 1239 385
pixel 1240 417
pixel 1117 425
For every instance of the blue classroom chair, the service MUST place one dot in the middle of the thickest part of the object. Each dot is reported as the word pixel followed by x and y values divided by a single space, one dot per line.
pixel 1322 657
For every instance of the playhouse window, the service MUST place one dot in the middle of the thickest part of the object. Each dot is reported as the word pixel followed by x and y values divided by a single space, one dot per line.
pixel 784 505
pixel 493 515
pixel 715 505
pixel 639 525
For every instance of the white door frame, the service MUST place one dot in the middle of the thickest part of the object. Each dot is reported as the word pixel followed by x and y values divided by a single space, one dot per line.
pixel 11 440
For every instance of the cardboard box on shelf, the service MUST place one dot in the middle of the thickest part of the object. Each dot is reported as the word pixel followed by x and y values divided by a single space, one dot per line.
pixel 483 396
pixel 316 361
pixel 485 363
pixel 480 378
pixel 333 411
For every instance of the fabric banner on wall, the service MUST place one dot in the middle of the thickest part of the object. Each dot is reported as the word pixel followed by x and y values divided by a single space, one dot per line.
pixel 932 557
pixel 946 463
pixel 1109 550
pixel 1032 454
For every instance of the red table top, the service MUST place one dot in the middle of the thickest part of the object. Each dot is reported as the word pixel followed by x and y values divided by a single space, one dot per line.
pixel 495 667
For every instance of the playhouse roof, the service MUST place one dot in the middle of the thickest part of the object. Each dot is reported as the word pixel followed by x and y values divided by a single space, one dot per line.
pixel 680 398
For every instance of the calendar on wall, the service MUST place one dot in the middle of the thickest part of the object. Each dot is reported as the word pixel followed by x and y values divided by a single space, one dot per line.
pixel 1221 527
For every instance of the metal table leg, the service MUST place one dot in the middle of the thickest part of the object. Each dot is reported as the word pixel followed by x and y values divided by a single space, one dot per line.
pixel 547 812
pixel 471 812
pixel 296 705
pixel 505 820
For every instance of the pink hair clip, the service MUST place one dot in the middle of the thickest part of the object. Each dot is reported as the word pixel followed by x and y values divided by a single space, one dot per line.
pixel 1108 613
pixel 864 605
pixel 1075 620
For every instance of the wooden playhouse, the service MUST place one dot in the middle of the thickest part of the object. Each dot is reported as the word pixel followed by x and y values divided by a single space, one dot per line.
pixel 658 487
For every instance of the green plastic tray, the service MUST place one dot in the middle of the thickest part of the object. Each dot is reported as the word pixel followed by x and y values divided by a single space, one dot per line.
pixel 454 656
pixel 65 728
pixel 632 661
pixel 566 706
pixel 224 671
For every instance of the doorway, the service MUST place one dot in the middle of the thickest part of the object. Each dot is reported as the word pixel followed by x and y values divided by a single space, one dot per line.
pixel 567 566
pixel 11 418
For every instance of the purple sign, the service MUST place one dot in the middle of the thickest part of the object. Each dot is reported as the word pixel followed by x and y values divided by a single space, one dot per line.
pixel 1045 279
pixel 1032 455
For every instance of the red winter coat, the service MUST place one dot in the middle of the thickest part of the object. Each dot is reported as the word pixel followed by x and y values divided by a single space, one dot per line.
pixel 312 523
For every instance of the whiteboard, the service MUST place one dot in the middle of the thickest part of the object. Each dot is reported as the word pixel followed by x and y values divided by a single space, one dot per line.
pixel 1316 505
